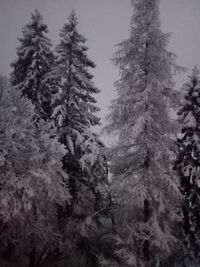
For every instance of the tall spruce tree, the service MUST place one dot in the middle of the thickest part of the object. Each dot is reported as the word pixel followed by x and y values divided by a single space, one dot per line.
pixel 34 60
pixel 187 165
pixel 143 182
pixel 74 113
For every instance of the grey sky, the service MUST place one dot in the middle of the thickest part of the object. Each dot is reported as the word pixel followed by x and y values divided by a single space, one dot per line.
pixel 104 23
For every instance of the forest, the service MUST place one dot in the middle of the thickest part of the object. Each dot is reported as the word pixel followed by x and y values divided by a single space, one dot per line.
pixel 69 200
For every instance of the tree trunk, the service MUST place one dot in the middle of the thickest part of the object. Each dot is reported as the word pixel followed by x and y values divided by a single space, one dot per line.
pixel 146 243
pixel 32 257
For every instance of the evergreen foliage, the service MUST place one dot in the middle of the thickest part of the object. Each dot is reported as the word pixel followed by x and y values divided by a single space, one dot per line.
pixel 55 204
pixel 144 183
pixel 34 60
pixel 32 180
pixel 74 112
pixel 187 165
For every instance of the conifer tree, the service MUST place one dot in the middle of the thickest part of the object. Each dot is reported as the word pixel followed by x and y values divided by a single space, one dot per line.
pixel 74 114
pixel 32 180
pixel 143 183
pixel 187 165
pixel 34 59
pixel 74 106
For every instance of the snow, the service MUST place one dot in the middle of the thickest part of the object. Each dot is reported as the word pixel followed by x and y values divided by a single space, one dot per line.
pixel 190 120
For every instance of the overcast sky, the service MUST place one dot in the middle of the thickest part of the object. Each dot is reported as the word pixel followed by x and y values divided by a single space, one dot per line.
pixel 104 23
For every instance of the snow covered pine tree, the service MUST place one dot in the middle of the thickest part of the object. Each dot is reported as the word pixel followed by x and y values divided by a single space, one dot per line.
pixel 188 165
pixel 32 181
pixel 34 61
pixel 74 112
pixel 143 182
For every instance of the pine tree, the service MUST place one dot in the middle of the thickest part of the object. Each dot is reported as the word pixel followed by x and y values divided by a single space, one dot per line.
pixel 32 181
pixel 187 165
pixel 74 106
pixel 144 185
pixel 74 114
pixel 34 60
